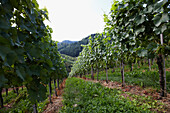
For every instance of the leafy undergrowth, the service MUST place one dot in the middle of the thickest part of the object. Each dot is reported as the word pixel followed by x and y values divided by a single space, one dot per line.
pixel 14 103
pixel 10 98
pixel 20 103
pixel 82 96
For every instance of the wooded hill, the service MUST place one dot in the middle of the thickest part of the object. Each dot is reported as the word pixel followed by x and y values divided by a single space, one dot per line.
pixel 73 49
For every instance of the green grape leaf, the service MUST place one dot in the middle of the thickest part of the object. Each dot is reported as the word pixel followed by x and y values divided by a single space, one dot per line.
pixel 49 62
pixel 152 46
pixel 35 52
pixel 149 9
pixel 160 30
pixel 142 52
pixel 20 54
pixel 11 58
pixel 163 28
pixel 20 71
pixel 4 50
pixel 140 19
pixel 22 36
pixel 4 41
pixel 139 29
pixel 44 72
pixel 36 91
pixel 35 69
pixel 7 7
pixel 14 3
pixel 4 23
pixel 132 18
pixel 158 6
pixel 158 19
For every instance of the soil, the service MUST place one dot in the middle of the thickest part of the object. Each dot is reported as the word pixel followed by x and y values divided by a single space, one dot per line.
pixel 57 100
pixel 168 69
pixel 55 106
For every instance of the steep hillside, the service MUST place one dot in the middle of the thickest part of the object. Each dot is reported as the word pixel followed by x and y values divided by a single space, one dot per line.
pixel 73 49
pixel 64 44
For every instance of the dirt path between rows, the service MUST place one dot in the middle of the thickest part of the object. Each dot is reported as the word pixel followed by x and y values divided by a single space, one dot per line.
pixel 57 101
pixel 133 89
pixel 55 106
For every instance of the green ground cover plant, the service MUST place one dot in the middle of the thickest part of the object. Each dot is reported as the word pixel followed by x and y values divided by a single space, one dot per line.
pixel 21 103
pixel 81 96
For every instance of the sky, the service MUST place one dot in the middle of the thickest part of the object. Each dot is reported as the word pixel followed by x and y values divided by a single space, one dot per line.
pixel 75 19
